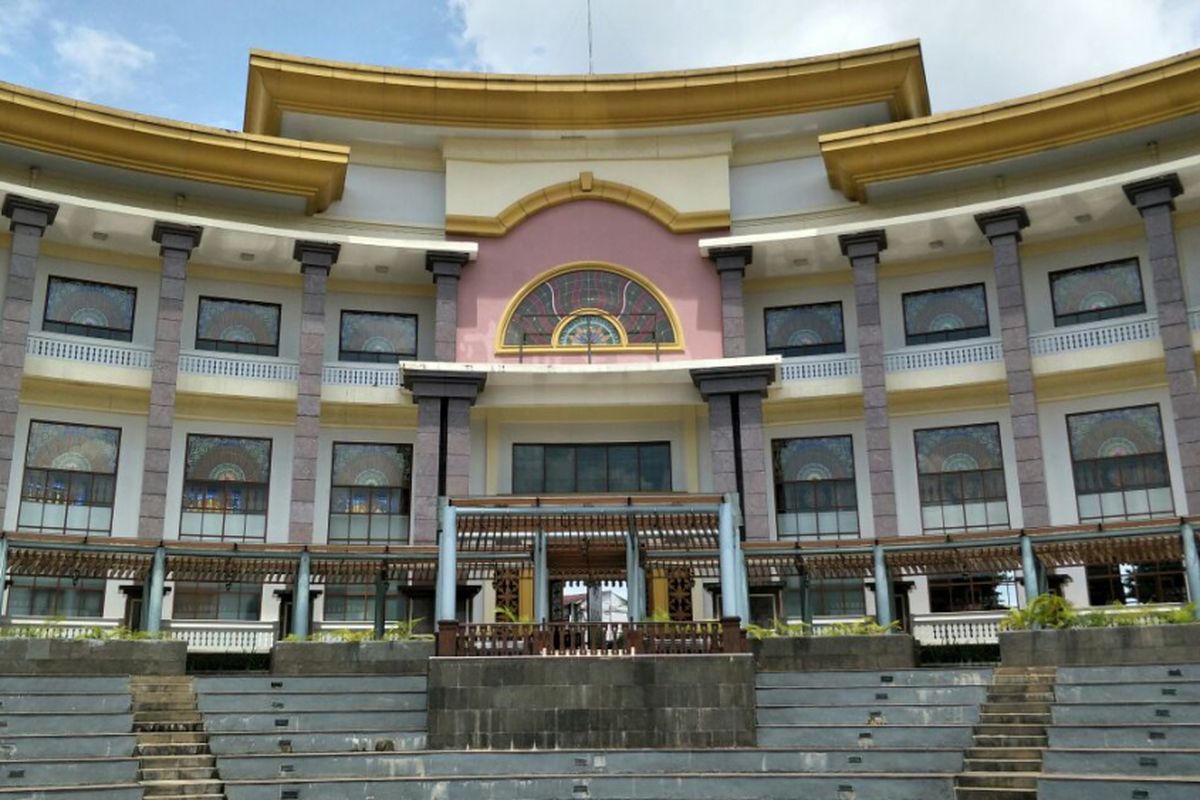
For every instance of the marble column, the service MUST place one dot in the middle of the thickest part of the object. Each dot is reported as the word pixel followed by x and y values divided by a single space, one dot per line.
pixel 176 243
pixel 1003 230
pixel 731 263
pixel 446 269
pixel 1155 201
pixel 28 220
pixel 863 249
pixel 316 260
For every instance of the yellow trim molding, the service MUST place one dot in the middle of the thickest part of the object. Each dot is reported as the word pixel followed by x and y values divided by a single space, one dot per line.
pixel 624 347
pixel 1083 112
pixel 893 74
pixel 89 396
pixel 53 124
pixel 223 408
pixel 586 187
pixel 360 415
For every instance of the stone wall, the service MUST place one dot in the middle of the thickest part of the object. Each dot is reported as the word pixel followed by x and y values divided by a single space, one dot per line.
pixel 1149 644
pixel 591 702
pixel 351 658
pixel 807 653
pixel 91 657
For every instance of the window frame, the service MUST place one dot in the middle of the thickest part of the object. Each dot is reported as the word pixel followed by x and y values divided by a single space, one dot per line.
pixel 1165 574
pixel 942 337
pixel 229 346
pixel 406 495
pixel 801 351
pixel 90 331
pixel 608 446
pixel 225 512
pixel 367 357
pixel 780 488
pixel 57 587
pixel 973 585
pixel 219 590
pixel 1161 456
pixel 1115 312
pixel 986 499
pixel 64 529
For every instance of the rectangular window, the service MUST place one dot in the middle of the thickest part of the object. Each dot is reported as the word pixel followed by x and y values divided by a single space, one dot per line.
pixel 238 326
pixel 1136 584
pixel 579 468
pixel 70 478
pixel 1119 462
pixel 838 597
pixel 356 603
pixel 369 493
pixel 377 336
pixel 226 482
pixel 1096 292
pixel 56 597
pixel 229 601
pixel 815 494
pixel 945 315
pixel 960 475
pixel 88 308
pixel 991 591
pixel 805 330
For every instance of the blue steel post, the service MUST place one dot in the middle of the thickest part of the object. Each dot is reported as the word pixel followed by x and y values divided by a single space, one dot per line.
pixel 1191 565
pixel 541 580
pixel 3 569
pixel 743 587
pixel 380 604
pixel 1029 569
pixel 883 589
pixel 445 607
pixel 300 596
pixel 728 559
pixel 158 575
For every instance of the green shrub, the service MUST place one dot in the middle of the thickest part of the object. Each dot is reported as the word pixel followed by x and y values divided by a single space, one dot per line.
pixel 1051 612
pixel 862 627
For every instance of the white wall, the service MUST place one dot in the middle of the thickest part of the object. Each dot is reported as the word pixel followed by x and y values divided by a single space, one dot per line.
pixel 780 187
pixel 1036 269
pixel 397 196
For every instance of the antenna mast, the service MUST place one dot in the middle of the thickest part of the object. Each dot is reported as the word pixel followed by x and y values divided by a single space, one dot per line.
pixel 589 34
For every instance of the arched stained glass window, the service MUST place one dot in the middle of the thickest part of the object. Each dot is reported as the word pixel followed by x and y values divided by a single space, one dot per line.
pixel 589 307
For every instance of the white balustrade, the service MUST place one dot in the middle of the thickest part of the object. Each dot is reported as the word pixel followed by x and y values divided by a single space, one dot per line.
pixel 808 368
pixel 968 627
pixel 90 351
pixel 954 354
pixel 223 636
pixel 236 365
pixel 76 628
pixel 1094 334
pixel 386 376
pixel 1194 318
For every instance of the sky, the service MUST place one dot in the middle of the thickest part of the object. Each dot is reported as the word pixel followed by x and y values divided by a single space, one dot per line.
pixel 187 59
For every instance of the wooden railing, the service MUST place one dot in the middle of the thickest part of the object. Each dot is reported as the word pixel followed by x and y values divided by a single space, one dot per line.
pixel 589 638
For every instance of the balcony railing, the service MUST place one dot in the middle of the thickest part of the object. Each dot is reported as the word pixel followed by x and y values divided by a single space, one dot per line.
pixel 807 368
pixel 104 353
pixel 223 636
pixel 1095 334
pixel 588 638
pixel 957 354
pixel 967 627
pixel 225 365
pixel 383 376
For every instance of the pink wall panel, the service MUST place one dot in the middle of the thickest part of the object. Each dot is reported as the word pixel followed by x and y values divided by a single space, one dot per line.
pixel 589 230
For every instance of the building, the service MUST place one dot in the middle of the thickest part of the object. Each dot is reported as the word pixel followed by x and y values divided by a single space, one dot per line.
pixel 950 354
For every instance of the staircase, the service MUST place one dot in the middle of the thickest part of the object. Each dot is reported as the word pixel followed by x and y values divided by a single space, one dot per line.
pixel 172 746
pixel 1005 758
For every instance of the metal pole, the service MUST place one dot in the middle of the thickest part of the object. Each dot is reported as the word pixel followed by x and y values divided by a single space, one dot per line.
pixel 380 604
pixel 1029 570
pixel 300 596
pixel 726 536
pixel 641 593
pixel 3 570
pixel 541 580
pixel 1191 565
pixel 883 589
pixel 806 606
pixel 743 587
pixel 632 589
pixel 445 602
pixel 158 574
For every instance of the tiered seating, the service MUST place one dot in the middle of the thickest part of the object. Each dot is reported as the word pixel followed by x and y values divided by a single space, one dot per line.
pixel 67 737
pixel 1124 732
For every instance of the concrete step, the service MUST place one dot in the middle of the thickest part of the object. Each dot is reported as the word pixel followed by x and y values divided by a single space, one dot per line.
pixel 184 788
pixel 1004 752
pixel 1006 718
pixel 989 764
pixel 169 750
pixel 149 680
pixel 171 761
pixel 177 774
pixel 1019 694
pixel 171 737
pixel 166 716
pixel 999 780
pixel 1002 707
pixel 145 706
pixel 985 739
pixel 988 793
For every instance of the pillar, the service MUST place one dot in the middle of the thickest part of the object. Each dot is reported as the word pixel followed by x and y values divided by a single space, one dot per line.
pixel 3 570
pixel 633 586
pixel 28 220
pixel 1191 566
pixel 1030 571
pixel 731 263
pixel 595 602
pixel 1155 201
pixel 541 580
pixel 446 269
pixel 739 458
pixel 302 595
pixel 727 541
pixel 442 456
pixel 381 587
pixel 1003 230
pixel 884 614
pixel 863 249
pixel 154 590
pixel 176 243
pixel 316 259
pixel 446 598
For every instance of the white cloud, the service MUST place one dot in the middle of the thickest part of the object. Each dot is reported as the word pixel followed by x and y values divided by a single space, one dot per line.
pixel 17 22
pixel 97 65
pixel 976 51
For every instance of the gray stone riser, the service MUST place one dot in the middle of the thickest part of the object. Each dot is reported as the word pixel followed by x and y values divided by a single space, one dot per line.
pixel 77 703
pixel 78 772
pixel 316 742
pixel 183 788
pixel 315 721
pixel 1125 736
pixel 66 746
pixel 875 680
pixel 880 714
pixel 986 793
pixel 1074 787
pixel 846 736
pixel 999 780
pixel 987 764
pixel 337 685
pixel 117 791
pixel 349 702
pixel 1125 713
pixel 944 695
pixel 1177 692
pixel 177 774
pixel 984 752
pixel 1123 762
pixel 15 724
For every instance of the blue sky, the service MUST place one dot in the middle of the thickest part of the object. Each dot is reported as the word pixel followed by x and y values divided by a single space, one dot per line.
pixel 187 59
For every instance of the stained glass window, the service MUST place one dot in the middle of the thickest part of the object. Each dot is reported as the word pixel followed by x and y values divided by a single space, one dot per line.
pixel 570 468
pixel 583 307
pixel 226 482
pixel 806 330
pixel 815 495
pixel 945 315
pixel 237 326
pixel 377 336
pixel 369 494
pixel 960 475
pixel 1098 291
pixel 70 478
pixel 87 308
pixel 1119 462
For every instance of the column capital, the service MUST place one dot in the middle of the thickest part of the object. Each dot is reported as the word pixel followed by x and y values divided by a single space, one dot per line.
pixel 452 384
pixel 866 244
pixel 1003 222
pixel 731 259
pixel 738 379
pixel 314 255
pixel 172 236
pixel 445 264
pixel 29 212
pixel 1153 192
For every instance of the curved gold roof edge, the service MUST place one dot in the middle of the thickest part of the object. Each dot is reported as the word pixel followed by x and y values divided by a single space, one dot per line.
pixel 1157 92
pixel 61 126
pixel 892 73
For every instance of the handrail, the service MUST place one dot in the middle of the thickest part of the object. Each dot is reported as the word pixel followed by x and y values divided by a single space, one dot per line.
pixel 236 365
pixel 935 356
pixel 591 638
pixel 1094 334
pixel 102 352
pixel 823 367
